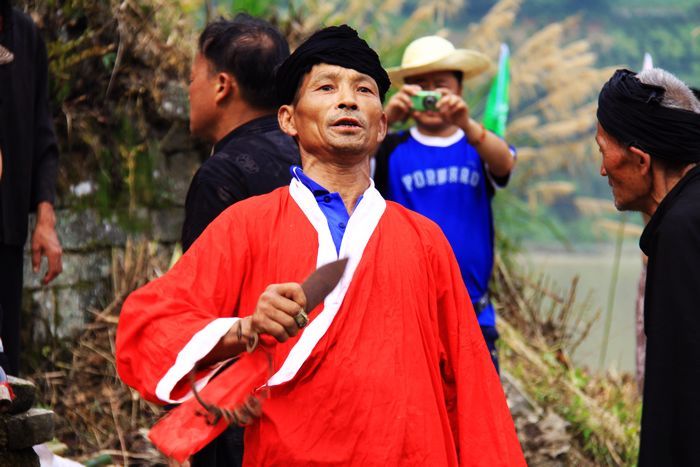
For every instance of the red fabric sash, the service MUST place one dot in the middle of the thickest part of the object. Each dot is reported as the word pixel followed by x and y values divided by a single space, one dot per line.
pixel 186 429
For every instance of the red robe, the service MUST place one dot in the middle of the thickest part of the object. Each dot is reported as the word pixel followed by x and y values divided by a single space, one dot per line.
pixel 392 370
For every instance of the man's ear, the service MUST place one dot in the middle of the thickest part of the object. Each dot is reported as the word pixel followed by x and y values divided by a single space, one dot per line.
pixel 381 134
pixel 226 87
pixel 285 117
pixel 642 159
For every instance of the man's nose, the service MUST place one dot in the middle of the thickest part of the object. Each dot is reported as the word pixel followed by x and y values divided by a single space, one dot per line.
pixel 347 104
pixel 603 172
pixel 347 100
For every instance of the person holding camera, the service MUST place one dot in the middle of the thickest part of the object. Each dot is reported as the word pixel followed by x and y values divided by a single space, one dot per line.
pixel 447 166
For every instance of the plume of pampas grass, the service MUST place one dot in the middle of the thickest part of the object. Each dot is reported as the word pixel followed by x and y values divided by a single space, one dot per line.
pixel 594 206
pixel 611 227
pixel 554 78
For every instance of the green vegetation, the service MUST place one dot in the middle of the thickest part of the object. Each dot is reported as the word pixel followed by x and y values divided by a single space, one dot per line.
pixel 540 329
pixel 113 66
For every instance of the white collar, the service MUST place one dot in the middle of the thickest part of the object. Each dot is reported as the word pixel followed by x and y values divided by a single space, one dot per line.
pixel 360 228
pixel 437 141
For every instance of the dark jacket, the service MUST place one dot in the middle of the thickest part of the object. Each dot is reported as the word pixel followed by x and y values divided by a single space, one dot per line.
pixel 27 139
pixel 253 159
pixel 671 409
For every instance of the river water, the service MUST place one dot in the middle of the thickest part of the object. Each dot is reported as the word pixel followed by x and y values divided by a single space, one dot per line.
pixel 594 267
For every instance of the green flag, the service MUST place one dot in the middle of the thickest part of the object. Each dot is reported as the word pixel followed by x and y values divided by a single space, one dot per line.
pixel 496 111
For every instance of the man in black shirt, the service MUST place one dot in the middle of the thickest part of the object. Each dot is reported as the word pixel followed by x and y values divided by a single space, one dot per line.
pixel 232 105
pixel 30 160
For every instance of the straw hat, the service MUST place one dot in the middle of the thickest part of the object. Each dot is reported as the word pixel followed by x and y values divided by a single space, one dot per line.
pixel 433 53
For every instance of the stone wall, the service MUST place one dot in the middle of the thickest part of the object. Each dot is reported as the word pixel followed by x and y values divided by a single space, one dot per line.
pixel 89 241
pixel 62 309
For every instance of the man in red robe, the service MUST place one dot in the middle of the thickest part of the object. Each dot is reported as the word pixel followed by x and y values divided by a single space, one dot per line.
pixel 391 369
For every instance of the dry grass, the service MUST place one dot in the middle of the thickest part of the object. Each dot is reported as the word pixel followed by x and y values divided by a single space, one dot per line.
pixel 540 329
pixel 96 413
pixel 594 206
pixel 612 228
pixel 548 192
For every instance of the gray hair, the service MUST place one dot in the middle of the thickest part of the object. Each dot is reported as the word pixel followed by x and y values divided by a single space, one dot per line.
pixel 677 96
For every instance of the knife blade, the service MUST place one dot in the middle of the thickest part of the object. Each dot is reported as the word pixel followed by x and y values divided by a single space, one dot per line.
pixel 316 287
pixel 322 281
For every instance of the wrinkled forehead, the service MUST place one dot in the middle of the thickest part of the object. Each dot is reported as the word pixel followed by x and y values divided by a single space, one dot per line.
pixel 334 73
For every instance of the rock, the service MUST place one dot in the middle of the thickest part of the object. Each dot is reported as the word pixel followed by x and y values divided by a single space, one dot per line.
pixel 178 171
pixel 167 224
pixel 22 458
pixel 84 229
pixel 177 139
pixel 174 101
pixel 39 309
pixel 74 304
pixel 25 395
pixel 77 267
pixel 521 406
pixel 555 439
pixel 543 435
pixel 25 430
pixel 62 311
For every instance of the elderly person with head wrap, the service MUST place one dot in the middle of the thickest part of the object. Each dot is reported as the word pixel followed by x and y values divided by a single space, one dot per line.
pixel 649 138
pixel 390 369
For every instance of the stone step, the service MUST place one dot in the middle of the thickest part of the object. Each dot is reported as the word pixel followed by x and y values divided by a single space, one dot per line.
pixel 24 430
pixel 22 458
pixel 25 395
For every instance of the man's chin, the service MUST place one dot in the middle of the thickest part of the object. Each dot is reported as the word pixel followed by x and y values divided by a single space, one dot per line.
pixel 622 205
pixel 351 148
pixel 347 142
pixel 197 133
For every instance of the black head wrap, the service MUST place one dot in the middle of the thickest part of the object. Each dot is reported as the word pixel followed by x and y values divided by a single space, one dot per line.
pixel 335 45
pixel 631 112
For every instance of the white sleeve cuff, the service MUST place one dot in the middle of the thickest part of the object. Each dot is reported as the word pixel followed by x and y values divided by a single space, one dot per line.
pixel 197 348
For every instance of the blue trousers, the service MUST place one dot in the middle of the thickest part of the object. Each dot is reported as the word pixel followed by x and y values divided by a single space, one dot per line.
pixel 491 336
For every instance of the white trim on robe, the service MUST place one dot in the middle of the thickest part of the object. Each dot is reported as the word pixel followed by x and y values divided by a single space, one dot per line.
pixel 197 348
pixel 361 225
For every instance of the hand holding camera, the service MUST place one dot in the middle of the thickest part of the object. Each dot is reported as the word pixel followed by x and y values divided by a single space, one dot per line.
pixel 423 101
pixel 411 98
pixel 454 110
pixel 399 107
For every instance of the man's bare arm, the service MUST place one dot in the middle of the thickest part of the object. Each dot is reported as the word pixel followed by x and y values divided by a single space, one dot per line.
pixel 493 150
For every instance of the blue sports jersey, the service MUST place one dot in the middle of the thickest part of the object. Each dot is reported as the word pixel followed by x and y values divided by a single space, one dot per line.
pixel 445 180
